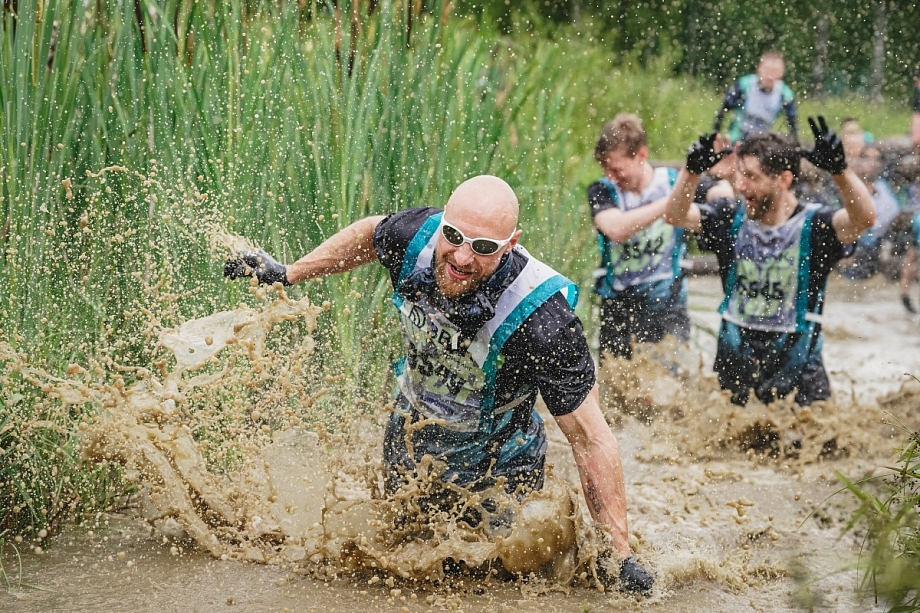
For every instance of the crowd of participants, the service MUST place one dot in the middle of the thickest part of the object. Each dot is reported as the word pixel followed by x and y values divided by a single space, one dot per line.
pixel 778 214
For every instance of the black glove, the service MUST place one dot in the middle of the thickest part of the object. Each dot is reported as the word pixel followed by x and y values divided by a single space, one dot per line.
pixel 257 264
pixel 701 156
pixel 828 152
pixel 631 576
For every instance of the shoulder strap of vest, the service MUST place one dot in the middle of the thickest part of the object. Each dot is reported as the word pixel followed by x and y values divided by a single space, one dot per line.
pixel 801 299
pixel 535 284
pixel 787 95
pixel 612 189
pixel 733 269
pixel 915 223
pixel 418 244
pixel 745 83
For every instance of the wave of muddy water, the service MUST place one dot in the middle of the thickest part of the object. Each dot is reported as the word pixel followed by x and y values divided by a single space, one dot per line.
pixel 725 503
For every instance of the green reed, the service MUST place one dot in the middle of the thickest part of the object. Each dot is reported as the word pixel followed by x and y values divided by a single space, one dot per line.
pixel 888 518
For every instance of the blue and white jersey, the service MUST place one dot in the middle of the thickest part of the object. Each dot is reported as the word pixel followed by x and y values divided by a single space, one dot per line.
pixel 652 254
pixel 449 379
pixel 458 387
pixel 768 283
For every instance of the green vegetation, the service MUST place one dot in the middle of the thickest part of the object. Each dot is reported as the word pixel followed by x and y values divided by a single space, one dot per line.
pixel 139 140
pixel 860 47
pixel 889 518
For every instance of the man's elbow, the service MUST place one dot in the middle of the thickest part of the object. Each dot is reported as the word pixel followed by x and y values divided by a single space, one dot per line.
pixel 617 234
pixel 674 219
pixel 869 220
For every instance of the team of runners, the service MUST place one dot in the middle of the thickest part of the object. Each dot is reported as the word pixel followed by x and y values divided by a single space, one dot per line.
pixel 487 326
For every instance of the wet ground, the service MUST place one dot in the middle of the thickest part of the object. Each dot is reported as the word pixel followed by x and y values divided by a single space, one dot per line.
pixel 723 529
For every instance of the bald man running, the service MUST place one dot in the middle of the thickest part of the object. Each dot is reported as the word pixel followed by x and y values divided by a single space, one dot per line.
pixel 486 327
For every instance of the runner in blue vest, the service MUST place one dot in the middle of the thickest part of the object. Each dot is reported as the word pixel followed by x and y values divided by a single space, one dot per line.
pixel 757 100
pixel 486 328
pixel 643 293
pixel 774 256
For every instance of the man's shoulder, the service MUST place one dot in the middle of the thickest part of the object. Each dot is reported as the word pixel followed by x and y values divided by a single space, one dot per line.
pixel 787 94
pixel 747 82
pixel 665 175
pixel 601 185
pixel 822 216
pixel 394 233
pixel 551 323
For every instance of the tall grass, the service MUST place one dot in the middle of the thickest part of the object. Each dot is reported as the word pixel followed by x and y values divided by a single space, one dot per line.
pixel 888 517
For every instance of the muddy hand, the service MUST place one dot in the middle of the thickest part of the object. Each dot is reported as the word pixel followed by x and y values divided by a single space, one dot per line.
pixel 632 577
pixel 256 264
pixel 828 152
pixel 701 156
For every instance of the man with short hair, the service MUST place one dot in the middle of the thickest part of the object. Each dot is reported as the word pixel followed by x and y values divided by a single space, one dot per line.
pixel 642 290
pixel 774 256
pixel 757 100
pixel 486 328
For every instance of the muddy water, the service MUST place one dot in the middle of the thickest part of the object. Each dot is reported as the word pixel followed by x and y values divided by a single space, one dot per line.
pixel 722 500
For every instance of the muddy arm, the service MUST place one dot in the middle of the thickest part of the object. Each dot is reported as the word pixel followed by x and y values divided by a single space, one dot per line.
pixel 345 250
pixel 597 456
pixel 620 225
pixel 680 210
pixel 858 214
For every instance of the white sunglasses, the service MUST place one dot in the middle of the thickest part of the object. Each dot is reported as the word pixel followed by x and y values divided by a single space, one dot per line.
pixel 480 246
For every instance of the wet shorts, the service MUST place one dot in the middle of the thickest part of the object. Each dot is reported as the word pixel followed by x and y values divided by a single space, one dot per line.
pixel 636 316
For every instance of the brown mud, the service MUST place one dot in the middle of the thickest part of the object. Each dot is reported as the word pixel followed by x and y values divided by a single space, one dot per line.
pixel 733 508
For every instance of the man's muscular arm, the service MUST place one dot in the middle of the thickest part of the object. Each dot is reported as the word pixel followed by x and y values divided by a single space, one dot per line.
pixel 345 250
pixel 858 214
pixel 597 456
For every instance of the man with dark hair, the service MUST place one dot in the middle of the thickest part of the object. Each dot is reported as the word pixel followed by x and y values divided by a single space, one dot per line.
pixel 486 327
pixel 774 256
pixel 757 100
pixel 642 290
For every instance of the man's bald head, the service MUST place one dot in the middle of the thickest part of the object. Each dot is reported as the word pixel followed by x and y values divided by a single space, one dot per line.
pixel 488 199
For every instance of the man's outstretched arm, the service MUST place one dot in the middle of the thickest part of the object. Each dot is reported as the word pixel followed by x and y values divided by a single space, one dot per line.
pixel 345 250
pixel 858 214
pixel 681 211
pixel 734 98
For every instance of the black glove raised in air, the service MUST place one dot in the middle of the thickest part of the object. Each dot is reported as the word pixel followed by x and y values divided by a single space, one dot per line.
pixel 701 156
pixel 631 577
pixel 828 152
pixel 256 264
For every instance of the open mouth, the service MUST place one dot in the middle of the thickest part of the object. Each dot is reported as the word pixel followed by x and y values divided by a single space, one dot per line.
pixel 458 274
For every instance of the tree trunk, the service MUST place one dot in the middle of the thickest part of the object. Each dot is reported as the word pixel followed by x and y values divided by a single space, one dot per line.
pixel 878 50
pixel 692 27
pixel 822 30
